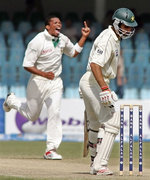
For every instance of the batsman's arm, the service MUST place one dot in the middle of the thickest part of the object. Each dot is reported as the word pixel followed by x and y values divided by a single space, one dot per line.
pixel 97 71
pixel 107 97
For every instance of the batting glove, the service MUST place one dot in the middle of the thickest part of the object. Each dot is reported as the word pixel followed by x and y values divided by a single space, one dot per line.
pixel 107 97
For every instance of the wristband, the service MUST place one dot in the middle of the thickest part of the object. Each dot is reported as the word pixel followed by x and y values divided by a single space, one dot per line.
pixel 104 88
pixel 78 48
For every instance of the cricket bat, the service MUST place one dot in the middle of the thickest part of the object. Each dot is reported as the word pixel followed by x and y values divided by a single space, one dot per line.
pixel 86 131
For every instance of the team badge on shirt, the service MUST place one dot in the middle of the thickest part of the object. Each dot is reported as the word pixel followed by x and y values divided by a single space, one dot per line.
pixel 99 51
pixel 45 51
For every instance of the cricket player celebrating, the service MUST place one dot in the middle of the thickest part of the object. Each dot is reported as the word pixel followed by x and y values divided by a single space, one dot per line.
pixel 42 59
pixel 99 100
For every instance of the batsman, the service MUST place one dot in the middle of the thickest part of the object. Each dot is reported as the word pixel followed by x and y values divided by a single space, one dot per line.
pixel 99 100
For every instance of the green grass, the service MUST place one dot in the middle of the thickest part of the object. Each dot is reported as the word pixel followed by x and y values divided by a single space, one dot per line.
pixel 37 148
pixel 69 150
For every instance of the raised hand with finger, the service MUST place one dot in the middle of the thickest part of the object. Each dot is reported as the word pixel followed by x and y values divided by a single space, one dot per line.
pixel 85 33
pixel 85 30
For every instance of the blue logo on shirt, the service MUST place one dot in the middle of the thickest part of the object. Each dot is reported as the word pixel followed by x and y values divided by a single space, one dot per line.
pixel 99 51
pixel 116 52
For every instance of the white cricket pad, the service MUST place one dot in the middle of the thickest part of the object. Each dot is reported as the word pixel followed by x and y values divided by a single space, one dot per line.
pixel 113 125
pixel 93 140
pixel 104 151
pixel 100 138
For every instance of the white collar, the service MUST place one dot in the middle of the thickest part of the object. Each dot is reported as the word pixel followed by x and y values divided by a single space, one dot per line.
pixel 113 33
pixel 49 36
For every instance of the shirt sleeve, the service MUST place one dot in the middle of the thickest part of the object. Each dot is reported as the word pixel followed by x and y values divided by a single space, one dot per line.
pixel 31 55
pixel 101 54
pixel 69 48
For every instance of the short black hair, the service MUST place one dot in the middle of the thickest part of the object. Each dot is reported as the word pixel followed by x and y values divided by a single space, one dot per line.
pixel 49 17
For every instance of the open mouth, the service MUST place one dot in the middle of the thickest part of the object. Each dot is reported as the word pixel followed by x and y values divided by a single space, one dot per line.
pixel 58 30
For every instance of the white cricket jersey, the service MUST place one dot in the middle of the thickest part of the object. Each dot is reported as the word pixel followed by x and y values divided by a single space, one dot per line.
pixel 42 54
pixel 105 52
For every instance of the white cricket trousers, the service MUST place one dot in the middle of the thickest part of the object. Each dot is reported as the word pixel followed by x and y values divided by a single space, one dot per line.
pixel 39 91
